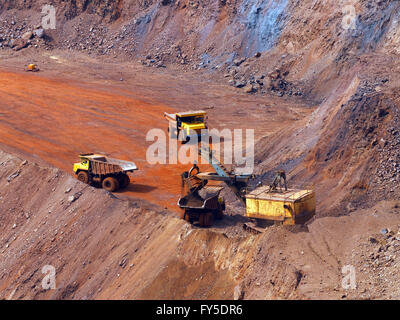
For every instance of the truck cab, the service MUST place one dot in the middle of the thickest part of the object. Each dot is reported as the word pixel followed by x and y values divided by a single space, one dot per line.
pixel 186 123
pixel 82 165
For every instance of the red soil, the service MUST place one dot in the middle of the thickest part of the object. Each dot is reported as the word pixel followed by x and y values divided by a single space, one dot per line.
pixel 55 121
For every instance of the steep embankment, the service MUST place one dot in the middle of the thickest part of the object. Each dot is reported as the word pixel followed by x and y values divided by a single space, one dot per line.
pixel 104 247
pixel 348 150
pixel 214 33
pixel 101 247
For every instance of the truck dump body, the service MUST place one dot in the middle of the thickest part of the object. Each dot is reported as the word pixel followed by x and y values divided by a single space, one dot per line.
pixel 99 167
pixel 292 206
pixel 102 165
pixel 207 198
pixel 186 124
pixel 174 116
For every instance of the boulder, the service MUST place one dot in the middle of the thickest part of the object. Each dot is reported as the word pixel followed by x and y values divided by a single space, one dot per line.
pixel 238 62
pixel 20 44
pixel 27 35
pixel 240 84
pixel 39 33
pixel 250 88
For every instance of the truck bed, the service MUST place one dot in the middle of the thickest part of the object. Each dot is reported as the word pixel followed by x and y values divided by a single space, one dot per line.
pixel 201 200
pixel 105 165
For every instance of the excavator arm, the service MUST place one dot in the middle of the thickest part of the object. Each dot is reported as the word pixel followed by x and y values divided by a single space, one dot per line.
pixel 238 183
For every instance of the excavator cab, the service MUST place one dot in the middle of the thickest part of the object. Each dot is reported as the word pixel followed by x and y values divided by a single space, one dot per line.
pixel 83 165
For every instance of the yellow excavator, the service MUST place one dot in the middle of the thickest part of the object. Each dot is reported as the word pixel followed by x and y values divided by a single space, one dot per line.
pixel 278 204
pixel 203 203
pixel 273 203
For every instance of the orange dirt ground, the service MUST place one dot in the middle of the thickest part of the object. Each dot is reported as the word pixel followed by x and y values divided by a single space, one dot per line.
pixel 61 120
pixel 55 116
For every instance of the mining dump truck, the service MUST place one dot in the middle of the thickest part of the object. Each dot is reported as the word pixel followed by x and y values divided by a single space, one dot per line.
pixel 200 203
pixel 185 124
pixel 111 174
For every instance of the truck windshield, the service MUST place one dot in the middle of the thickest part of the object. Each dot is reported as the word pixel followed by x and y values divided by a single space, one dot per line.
pixel 193 119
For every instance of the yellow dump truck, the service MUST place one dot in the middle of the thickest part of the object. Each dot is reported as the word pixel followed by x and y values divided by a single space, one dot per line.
pixel 186 124
pixel 287 206
pixel 111 174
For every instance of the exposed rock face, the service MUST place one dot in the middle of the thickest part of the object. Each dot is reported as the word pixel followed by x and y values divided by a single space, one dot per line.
pixel 229 30
pixel 107 9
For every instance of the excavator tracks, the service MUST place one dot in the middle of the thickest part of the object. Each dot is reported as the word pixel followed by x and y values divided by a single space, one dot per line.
pixel 252 228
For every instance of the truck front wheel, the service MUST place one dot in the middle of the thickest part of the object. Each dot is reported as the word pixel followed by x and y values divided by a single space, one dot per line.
pixel 83 176
pixel 185 215
pixel 110 184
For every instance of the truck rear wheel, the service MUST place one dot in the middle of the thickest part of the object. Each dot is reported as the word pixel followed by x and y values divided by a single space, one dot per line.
pixel 209 219
pixel 83 176
pixel 110 184
pixel 201 219
pixel 219 213
pixel 206 220
pixel 124 181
